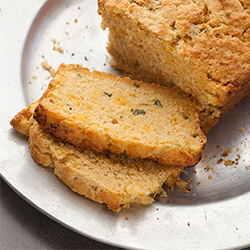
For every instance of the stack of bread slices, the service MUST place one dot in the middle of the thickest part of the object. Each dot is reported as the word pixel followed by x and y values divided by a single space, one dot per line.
pixel 113 139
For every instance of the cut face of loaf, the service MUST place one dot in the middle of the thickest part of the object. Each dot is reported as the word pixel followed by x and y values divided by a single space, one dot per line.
pixel 201 46
pixel 115 180
pixel 98 111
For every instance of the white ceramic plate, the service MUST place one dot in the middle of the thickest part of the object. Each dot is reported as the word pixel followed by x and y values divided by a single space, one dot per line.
pixel 214 215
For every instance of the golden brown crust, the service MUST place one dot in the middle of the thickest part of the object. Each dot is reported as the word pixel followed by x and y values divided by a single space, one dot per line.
pixel 22 121
pixel 96 112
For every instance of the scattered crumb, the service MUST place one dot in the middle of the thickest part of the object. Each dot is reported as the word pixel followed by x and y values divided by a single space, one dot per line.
pixel 247 167
pixel 52 72
pixel 187 190
pixel 218 146
pixel 207 167
pixel 233 132
pixel 54 40
pixel 76 20
pixel 185 172
pixel 15 140
pixel 236 228
pixel 46 66
pixel 60 49
pixel 43 56
pixel 163 194
pixel 241 129
pixel 225 153
pixel 194 194
pixel 198 183
pixel 228 163
pixel 34 77
pixel 126 218
pixel 188 224
pixel 194 171
pixel 79 8
pixel 157 218
pixel 219 161
pixel 214 156
pixel 30 82
pixel 67 22
pixel 237 149
pixel 73 54
pixel 86 59
pixel 190 180
pixel 181 184
pixel 210 177
pixel 229 150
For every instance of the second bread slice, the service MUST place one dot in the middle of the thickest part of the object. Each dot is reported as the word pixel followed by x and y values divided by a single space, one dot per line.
pixel 99 111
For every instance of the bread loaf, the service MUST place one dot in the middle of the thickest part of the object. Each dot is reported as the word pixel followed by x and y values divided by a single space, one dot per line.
pixel 201 46
pixel 103 112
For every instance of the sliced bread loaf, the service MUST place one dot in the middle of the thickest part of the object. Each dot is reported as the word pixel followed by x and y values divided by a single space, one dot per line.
pixel 115 180
pixel 99 111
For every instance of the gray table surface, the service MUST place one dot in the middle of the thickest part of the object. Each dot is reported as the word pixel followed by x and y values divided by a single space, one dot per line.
pixel 24 227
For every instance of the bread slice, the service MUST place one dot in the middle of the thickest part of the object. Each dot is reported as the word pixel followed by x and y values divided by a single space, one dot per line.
pixel 99 111
pixel 115 180
pixel 201 46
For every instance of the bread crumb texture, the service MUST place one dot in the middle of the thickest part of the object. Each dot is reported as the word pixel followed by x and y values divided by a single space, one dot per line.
pixel 201 46
pixel 99 111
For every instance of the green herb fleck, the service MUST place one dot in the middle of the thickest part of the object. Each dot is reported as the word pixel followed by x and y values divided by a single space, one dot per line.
pixel 137 85
pixel 195 135
pixel 78 75
pixel 137 63
pixel 208 75
pixel 138 112
pixel 157 103
pixel 144 104
pixel 185 117
pixel 152 195
pixel 177 144
pixel 107 94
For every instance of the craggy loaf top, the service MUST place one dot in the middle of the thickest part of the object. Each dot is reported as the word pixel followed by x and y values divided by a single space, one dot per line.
pixel 213 36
